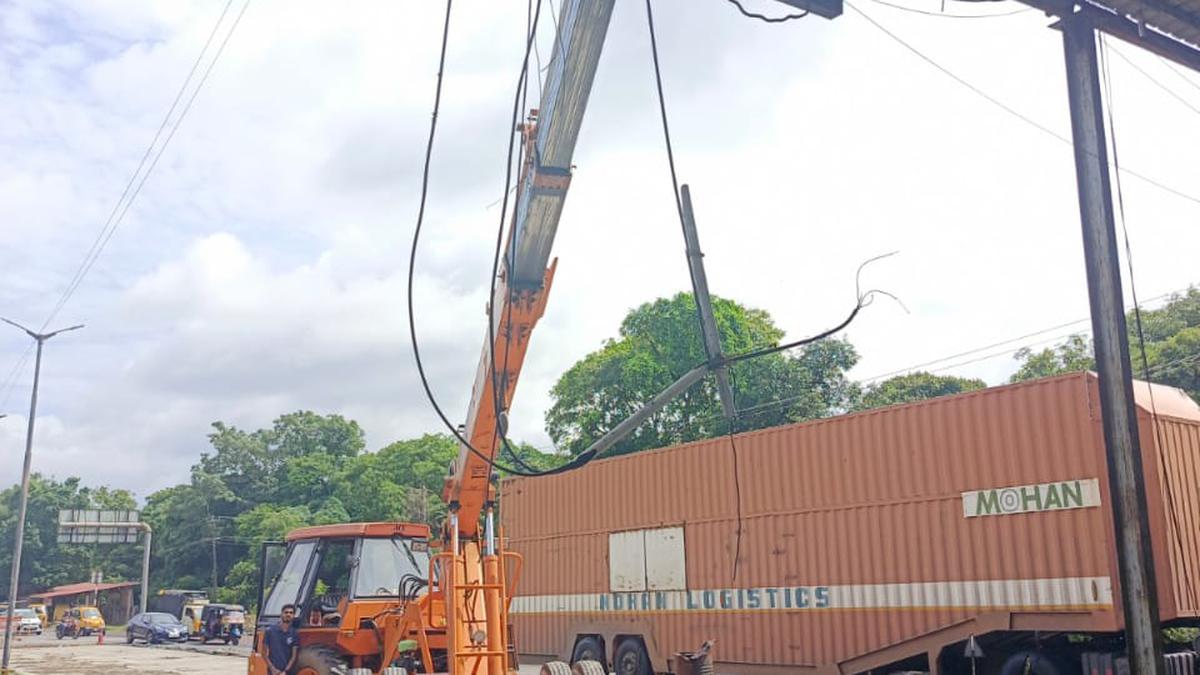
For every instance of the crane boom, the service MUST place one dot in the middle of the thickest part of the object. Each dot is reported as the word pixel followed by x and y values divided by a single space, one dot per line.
pixel 521 291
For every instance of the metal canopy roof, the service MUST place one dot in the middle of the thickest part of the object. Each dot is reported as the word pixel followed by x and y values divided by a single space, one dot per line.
pixel 1179 19
pixel 1169 28
pixel 77 589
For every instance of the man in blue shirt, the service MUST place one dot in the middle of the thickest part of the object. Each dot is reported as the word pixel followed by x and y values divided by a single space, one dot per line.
pixel 282 642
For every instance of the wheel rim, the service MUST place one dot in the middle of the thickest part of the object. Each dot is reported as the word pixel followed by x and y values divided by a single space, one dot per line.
pixel 629 663
pixel 588 654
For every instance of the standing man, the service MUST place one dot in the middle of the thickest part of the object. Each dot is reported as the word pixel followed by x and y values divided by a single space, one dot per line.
pixel 282 642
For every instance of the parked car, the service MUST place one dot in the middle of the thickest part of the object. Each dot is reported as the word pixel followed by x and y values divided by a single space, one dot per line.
pixel 89 619
pixel 155 627
pixel 27 621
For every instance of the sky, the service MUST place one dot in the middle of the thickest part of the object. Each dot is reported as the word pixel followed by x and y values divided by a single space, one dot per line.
pixel 262 268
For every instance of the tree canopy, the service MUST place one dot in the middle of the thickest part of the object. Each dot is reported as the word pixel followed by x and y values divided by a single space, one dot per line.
pixel 1172 339
pixel 660 341
pixel 45 562
pixel 916 386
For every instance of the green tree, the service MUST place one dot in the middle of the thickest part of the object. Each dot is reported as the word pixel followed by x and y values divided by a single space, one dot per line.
pixel 254 466
pixel 45 562
pixel 1073 355
pixel 1172 353
pixel 182 527
pixel 658 342
pixel 914 387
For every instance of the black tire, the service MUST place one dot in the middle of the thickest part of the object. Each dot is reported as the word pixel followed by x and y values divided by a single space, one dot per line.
pixel 588 667
pixel 315 660
pixel 235 641
pixel 128 636
pixel 1029 663
pixel 631 658
pixel 588 649
pixel 555 668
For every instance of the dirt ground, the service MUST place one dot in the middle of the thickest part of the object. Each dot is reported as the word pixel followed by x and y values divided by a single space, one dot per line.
pixel 45 655
pixel 92 659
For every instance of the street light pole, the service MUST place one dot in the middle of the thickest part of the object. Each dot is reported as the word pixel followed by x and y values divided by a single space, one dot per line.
pixel 16 561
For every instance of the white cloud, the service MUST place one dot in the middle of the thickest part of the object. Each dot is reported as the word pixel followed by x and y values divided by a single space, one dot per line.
pixel 263 269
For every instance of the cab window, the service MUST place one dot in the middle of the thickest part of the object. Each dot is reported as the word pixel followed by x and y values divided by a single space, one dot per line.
pixel 384 562
pixel 287 587
pixel 333 571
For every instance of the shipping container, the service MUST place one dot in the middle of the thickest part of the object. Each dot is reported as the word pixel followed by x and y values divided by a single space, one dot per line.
pixel 902 538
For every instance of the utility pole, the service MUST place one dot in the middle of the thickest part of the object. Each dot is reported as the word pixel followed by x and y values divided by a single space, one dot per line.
pixel 16 561
pixel 212 532
pixel 1125 469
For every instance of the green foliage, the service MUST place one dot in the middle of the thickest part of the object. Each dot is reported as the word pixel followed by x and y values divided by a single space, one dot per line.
pixel 1073 355
pixel 44 562
pixel 1172 335
pixel 660 341
pixel 914 387
pixel 256 486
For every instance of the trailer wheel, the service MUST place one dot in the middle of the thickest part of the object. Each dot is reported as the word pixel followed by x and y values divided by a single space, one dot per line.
pixel 555 668
pixel 1029 663
pixel 588 667
pixel 631 658
pixel 588 648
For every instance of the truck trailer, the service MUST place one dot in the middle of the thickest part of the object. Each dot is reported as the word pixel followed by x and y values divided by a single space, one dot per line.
pixel 966 534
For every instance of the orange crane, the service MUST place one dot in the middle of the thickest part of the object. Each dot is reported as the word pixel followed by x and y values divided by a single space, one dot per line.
pixel 373 596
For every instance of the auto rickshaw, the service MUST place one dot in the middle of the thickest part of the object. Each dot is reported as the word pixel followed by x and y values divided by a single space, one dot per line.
pixel 222 622
pixel 87 620
pixel 40 609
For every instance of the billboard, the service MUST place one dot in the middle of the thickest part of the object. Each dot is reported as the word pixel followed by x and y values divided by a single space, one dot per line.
pixel 92 526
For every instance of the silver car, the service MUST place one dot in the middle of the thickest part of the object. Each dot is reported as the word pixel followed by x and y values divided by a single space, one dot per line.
pixel 27 622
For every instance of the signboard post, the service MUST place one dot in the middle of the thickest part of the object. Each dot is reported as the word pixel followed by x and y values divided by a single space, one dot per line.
pixel 91 526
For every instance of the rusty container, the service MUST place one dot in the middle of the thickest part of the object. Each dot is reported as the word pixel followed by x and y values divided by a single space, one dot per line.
pixel 866 540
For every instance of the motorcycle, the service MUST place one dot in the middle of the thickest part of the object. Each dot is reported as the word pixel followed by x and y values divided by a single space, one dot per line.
pixel 65 629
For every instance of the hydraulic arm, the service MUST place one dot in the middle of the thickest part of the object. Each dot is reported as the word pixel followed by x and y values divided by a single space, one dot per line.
pixel 474 584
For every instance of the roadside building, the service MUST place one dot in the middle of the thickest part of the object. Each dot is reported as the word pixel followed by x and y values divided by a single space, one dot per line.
pixel 115 600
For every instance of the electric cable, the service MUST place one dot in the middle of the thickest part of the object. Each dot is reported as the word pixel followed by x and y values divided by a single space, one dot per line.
pixel 115 221
pixel 737 482
pixel 943 15
pixel 1004 106
pixel 1191 106
pixel 767 19
pixel 1175 69
pixel 578 461
pixel 519 105
pixel 500 432
pixel 768 406
pixel 863 300
pixel 976 350
pixel 1104 50
pixel 662 108
pixel 117 214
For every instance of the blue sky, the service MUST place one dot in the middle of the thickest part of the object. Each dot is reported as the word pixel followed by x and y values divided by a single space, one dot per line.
pixel 262 269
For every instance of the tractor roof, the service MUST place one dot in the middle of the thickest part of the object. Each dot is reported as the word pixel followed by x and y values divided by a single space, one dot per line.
pixel 348 530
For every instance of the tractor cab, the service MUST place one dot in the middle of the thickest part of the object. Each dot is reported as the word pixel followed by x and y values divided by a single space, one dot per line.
pixel 344 581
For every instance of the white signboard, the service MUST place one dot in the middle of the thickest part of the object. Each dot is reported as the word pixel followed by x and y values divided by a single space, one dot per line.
pixel 1057 496
pixel 91 526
